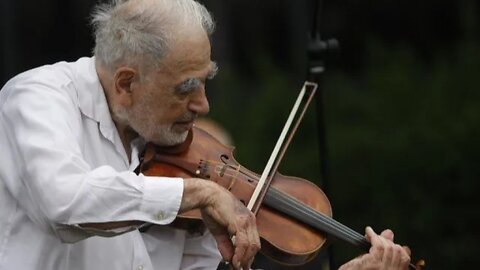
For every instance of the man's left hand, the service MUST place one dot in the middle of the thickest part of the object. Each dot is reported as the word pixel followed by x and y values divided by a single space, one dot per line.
pixel 384 254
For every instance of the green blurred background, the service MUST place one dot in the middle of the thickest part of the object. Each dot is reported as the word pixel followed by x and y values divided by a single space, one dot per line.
pixel 401 103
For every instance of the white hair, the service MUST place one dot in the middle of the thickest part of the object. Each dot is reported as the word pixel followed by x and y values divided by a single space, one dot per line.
pixel 140 32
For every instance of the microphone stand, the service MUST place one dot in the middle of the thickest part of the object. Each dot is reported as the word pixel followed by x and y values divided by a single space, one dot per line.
pixel 318 50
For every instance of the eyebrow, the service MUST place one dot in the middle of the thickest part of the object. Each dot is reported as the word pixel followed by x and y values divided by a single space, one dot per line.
pixel 192 83
pixel 188 85
pixel 213 70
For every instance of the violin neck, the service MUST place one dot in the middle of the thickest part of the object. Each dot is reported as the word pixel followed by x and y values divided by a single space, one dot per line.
pixel 286 204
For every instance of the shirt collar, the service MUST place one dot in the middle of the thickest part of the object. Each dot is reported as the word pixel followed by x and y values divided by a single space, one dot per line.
pixel 91 97
pixel 92 101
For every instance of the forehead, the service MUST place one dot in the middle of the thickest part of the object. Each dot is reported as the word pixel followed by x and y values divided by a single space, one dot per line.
pixel 188 54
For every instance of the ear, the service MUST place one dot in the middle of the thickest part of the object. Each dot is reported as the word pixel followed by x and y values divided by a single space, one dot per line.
pixel 125 79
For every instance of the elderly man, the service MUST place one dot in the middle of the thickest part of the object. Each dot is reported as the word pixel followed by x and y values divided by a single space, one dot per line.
pixel 70 134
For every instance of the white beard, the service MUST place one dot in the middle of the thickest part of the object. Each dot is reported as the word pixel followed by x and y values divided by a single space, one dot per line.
pixel 145 127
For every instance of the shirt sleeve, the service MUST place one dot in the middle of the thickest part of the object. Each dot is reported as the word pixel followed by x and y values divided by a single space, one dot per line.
pixel 40 124
pixel 200 252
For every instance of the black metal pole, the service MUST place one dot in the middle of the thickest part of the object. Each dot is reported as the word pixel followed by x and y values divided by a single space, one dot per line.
pixel 318 50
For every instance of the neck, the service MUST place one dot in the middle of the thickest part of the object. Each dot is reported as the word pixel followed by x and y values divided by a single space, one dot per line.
pixel 126 136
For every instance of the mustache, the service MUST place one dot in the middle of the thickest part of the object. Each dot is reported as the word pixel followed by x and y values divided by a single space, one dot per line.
pixel 188 117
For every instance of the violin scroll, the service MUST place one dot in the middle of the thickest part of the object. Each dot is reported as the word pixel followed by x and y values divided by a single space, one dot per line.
pixel 420 265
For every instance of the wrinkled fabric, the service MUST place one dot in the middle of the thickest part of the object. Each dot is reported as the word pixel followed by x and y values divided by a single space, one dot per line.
pixel 63 164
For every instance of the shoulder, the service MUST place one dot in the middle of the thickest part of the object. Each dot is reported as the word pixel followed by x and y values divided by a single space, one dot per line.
pixel 55 81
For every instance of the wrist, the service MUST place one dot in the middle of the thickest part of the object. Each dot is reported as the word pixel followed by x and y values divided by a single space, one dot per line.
pixel 197 194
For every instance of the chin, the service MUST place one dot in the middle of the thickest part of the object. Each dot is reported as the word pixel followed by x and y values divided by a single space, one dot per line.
pixel 170 138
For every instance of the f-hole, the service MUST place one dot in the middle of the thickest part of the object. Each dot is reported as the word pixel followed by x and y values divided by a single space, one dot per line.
pixel 224 158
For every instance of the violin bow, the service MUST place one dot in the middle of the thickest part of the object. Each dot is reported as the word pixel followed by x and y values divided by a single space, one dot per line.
pixel 281 147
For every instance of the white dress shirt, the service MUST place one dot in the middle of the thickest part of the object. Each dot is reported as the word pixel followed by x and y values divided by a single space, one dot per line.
pixel 62 163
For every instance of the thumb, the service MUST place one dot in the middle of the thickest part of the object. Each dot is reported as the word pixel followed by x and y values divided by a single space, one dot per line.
pixel 224 245
pixel 221 236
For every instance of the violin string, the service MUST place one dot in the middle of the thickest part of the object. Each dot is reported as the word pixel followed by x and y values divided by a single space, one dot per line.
pixel 299 206
pixel 226 168
pixel 295 205
pixel 237 168
pixel 336 228
pixel 333 227
pixel 349 235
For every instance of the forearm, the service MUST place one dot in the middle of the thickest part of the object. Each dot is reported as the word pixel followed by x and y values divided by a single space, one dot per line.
pixel 197 194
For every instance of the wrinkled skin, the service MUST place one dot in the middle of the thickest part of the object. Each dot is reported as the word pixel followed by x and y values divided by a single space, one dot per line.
pixel 384 254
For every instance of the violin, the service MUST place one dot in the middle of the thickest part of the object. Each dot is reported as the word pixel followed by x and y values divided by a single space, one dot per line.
pixel 293 219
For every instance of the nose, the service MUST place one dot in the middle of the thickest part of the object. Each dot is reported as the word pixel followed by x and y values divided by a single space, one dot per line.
pixel 199 103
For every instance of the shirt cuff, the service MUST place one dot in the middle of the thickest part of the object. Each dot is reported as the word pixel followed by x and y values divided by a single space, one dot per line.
pixel 162 197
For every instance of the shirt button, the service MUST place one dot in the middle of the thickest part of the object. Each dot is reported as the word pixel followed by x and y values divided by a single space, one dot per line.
pixel 140 267
pixel 160 215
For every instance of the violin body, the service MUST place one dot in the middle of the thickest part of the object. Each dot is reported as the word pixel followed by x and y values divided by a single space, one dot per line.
pixel 294 217
pixel 284 239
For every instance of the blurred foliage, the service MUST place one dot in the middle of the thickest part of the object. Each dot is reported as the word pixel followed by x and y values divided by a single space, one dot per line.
pixel 403 143
pixel 404 149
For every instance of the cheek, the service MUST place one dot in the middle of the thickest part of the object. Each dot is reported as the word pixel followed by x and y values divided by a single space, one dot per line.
pixel 176 109
pixel 166 107
pixel 168 113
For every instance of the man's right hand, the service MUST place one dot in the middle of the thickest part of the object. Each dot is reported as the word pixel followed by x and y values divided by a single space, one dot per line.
pixel 226 218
